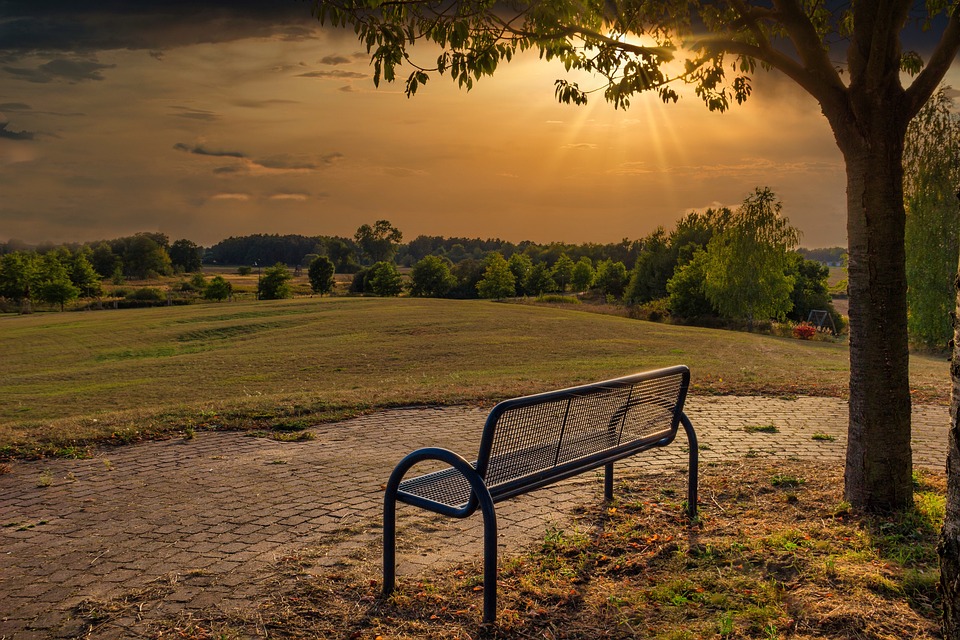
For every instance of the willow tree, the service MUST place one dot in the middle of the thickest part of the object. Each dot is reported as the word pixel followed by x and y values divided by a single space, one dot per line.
pixel 931 179
pixel 637 46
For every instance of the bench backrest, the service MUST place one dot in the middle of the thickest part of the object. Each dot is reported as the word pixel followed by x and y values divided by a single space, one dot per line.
pixel 536 440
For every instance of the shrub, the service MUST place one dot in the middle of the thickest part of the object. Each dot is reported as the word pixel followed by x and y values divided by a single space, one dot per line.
pixel 244 271
pixel 147 294
pixel 557 299
pixel 653 311
pixel 804 331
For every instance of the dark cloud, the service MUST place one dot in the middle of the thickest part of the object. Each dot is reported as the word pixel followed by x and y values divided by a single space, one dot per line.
pixel 331 158
pixel 200 150
pixel 68 69
pixel 153 25
pixel 334 60
pixel 195 114
pixel 347 88
pixel 14 106
pixel 14 135
pixel 336 73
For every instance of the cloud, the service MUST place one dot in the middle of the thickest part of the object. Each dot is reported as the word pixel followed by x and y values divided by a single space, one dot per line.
pixel 14 135
pixel 195 114
pixel 69 69
pixel 153 25
pixel 746 167
pixel 14 106
pixel 579 145
pixel 200 150
pixel 271 165
pixel 335 74
pixel 348 88
pixel 242 197
pixel 334 60
pixel 296 197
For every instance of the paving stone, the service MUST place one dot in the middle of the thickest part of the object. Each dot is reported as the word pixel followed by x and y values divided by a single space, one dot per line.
pixel 140 513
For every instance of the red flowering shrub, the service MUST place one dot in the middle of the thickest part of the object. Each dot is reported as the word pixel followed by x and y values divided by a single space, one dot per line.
pixel 804 331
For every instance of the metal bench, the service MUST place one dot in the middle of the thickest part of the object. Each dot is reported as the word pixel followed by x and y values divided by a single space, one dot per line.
pixel 536 440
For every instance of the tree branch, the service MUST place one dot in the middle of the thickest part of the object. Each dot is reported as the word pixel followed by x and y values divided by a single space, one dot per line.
pixel 808 44
pixel 943 56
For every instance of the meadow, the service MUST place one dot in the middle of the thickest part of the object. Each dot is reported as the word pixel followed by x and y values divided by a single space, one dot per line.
pixel 76 379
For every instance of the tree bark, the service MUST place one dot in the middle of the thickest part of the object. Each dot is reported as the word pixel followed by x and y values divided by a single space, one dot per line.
pixel 949 547
pixel 879 464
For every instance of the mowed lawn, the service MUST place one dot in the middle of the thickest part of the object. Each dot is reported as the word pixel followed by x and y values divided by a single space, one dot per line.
pixel 72 378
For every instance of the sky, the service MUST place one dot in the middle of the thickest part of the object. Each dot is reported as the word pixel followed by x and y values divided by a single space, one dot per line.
pixel 218 118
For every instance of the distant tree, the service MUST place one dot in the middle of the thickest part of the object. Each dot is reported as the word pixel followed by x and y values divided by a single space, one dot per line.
pixel 19 272
pixel 931 162
pixel 104 260
pixel 84 277
pixel 379 242
pixel 611 278
pixel 654 267
pixel 344 255
pixel 383 279
pixel 539 280
pixel 275 283
pixel 562 272
pixel 244 270
pixel 431 278
pixel 219 288
pixel 810 291
pixel 321 273
pixel 185 256
pixel 145 258
pixel 520 265
pixel 58 292
pixel 359 282
pixel 53 280
pixel 582 276
pixel 498 281
pixel 468 273
pixel 685 289
pixel 747 263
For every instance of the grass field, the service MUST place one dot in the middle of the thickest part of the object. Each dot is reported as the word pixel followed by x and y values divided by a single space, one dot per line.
pixel 71 379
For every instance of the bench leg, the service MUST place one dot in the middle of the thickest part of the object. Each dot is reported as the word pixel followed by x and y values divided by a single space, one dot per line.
pixel 489 559
pixel 693 478
pixel 608 482
pixel 389 543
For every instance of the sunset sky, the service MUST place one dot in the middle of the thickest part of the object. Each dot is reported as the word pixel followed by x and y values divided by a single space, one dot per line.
pixel 204 120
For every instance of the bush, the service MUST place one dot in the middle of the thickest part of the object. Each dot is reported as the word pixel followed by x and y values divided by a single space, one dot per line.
pixel 653 311
pixel 558 299
pixel 804 331
pixel 147 294
pixel 244 271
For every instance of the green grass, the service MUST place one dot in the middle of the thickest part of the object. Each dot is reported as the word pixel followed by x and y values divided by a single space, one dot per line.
pixel 71 379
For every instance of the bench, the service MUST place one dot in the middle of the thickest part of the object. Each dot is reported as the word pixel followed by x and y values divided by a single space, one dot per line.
pixel 537 440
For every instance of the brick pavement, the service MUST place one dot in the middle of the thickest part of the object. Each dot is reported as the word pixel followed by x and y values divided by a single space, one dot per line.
pixel 210 518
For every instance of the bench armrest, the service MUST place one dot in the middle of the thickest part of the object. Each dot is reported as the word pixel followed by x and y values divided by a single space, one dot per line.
pixel 480 493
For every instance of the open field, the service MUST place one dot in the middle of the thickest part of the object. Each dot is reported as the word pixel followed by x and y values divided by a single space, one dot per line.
pixel 75 378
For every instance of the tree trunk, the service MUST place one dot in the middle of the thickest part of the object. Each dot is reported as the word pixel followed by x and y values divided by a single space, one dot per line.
pixel 949 547
pixel 879 463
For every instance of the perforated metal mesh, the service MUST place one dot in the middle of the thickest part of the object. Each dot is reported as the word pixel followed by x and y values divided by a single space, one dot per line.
pixel 536 438
pixel 448 487
pixel 533 439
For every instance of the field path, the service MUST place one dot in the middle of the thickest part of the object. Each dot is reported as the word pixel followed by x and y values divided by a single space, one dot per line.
pixel 206 522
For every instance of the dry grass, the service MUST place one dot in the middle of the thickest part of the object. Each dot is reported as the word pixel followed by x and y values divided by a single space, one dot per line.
pixel 766 560
pixel 72 379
